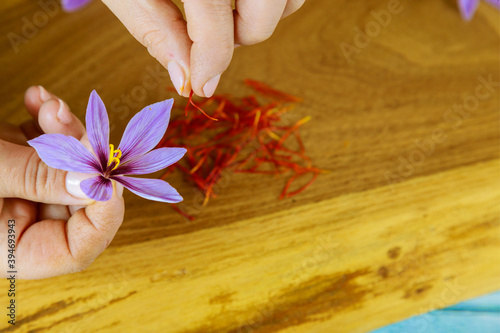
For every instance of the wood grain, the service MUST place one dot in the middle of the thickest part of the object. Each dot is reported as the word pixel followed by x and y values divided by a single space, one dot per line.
pixel 406 221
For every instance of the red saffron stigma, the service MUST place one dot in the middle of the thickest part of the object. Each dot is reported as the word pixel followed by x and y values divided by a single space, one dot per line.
pixel 190 102
pixel 186 215
pixel 248 136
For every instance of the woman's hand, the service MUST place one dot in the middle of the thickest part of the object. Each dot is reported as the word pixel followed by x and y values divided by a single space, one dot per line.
pixel 196 53
pixel 58 230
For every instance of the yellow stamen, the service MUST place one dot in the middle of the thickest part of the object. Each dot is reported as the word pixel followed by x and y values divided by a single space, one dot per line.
pixel 111 153
pixel 117 161
pixel 112 157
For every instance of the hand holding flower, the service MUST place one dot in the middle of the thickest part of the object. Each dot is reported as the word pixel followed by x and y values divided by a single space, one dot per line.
pixel 56 232
pixel 64 220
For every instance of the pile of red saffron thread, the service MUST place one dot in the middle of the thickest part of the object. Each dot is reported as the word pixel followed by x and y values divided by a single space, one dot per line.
pixel 241 135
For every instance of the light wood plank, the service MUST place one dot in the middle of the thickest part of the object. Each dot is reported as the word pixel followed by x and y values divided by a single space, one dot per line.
pixel 379 255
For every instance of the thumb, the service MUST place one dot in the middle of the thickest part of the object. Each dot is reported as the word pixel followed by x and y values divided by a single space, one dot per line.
pixel 24 175
pixel 72 245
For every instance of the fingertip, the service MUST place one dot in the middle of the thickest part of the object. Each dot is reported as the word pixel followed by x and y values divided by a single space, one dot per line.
pixel 177 76
pixel 211 85
pixel 160 27
pixel 211 28
pixel 73 181
pixel 55 116
pixel 291 7
pixel 63 114
pixel 187 89
pixel 92 228
pixel 119 189
pixel 44 94
pixel 47 115
pixel 107 216
pixel 32 100
pixel 207 70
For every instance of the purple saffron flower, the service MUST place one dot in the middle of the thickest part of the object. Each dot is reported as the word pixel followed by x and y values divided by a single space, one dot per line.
pixel 134 155
pixel 72 5
pixel 469 7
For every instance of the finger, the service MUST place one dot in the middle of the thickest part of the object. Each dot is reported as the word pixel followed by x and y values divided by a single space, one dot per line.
pixel 55 116
pixel 12 133
pixel 34 97
pixel 255 20
pixel 211 28
pixel 23 175
pixel 159 26
pixel 53 212
pixel 51 115
pixel 291 7
pixel 55 247
pixel 92 229
pixel 23 211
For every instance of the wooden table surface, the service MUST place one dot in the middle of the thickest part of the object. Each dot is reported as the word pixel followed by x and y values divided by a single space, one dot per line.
pixel 407 220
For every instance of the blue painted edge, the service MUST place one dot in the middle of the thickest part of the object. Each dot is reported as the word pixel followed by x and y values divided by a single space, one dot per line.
pixel 481 314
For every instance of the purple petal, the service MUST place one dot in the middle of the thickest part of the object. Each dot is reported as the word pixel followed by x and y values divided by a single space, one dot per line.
pixel 97 123
pixel 97 188
pixel 72 5
pixel 152 189
pixel 495 3
pixel 468 8
pixel 151 162
pixel 65 152
pixel 145 130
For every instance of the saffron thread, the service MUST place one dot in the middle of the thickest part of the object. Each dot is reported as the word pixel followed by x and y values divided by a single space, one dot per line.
pixel 248 136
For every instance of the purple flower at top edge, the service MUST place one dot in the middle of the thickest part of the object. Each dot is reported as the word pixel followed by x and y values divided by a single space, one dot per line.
pixel 469 7
pixel 134 156
pixel 72 5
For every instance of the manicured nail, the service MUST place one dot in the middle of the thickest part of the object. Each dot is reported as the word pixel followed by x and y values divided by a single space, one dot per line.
pixel 73 180
pixel 44 94
pixel 177 76
pixel 211 85
pixel 186 93
pixel 63 114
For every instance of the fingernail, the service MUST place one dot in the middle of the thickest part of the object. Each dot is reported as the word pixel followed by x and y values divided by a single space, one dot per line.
pixel 63 114
pixel 44 94
pixel 186 93
pixel 209 87
pixel 73 180
pixel 176 75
